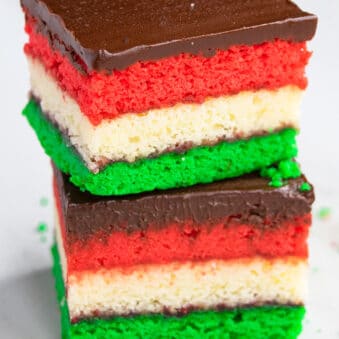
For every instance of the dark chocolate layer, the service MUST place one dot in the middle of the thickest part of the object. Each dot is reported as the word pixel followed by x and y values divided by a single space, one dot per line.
pixel 248 199
pixel 108 35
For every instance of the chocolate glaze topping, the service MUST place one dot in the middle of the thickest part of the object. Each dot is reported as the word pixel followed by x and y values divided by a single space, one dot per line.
pixel 248 199
pixel 108 35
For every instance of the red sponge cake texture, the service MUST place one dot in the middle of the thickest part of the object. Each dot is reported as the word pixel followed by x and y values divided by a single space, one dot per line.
pixel 196 244
pixel 179 79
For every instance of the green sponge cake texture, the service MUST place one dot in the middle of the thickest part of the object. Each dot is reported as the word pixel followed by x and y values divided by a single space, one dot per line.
pixel 255 323
pixel 203 164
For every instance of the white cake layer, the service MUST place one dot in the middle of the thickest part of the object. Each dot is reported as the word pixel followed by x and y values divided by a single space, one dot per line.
pixel 135 136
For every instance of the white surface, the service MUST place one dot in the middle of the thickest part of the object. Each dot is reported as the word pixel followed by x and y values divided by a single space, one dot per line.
pixel 27 300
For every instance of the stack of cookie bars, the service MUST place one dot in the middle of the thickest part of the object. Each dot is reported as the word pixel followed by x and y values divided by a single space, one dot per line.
pixel 171 125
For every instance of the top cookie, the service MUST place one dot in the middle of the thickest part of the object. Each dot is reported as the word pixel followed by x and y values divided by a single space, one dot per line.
pixel 108 35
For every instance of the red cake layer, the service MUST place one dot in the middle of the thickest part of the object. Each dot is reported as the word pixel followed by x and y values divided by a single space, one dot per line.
pixel 223 240
pixel 196 244
pixel 180 79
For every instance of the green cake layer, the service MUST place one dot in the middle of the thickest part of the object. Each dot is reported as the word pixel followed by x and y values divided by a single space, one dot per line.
pixel 283 322
pixel 199 165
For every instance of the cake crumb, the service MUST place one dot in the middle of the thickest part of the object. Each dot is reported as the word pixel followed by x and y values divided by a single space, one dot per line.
pixel 305 187
pixel 43 202
pixel 42 227
pixel 285 169
pixel 324 213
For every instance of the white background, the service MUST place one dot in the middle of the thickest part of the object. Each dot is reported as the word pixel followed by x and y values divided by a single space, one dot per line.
pixel 27 299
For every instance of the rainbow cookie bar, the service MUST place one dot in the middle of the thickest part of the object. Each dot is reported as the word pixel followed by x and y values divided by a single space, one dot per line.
pixel 218 260
pixel 160 95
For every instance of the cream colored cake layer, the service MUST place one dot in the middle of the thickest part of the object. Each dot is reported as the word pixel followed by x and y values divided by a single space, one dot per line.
pixel 205 285
pixel 134 136
pixel 171 287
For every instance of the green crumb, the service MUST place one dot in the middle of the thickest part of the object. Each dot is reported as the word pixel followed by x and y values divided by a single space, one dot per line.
pixel 43 202
pixel 289 169
pixel 277 181
pixel 269 172
pixel 324 213
pixel 285 169
pixel 42 228
pixel 305 187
